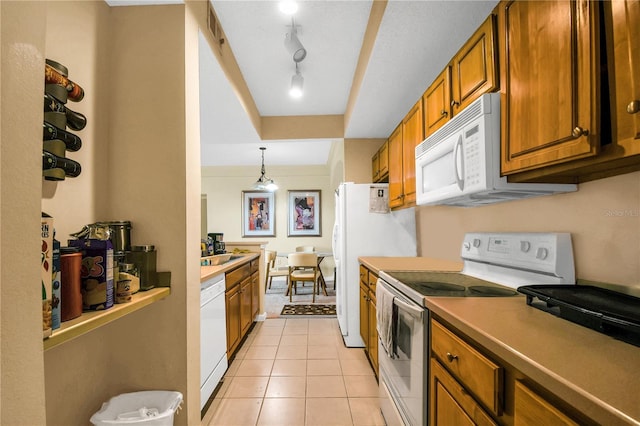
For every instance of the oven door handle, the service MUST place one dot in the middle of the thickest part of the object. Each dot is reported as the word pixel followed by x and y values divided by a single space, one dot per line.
pixel 416 312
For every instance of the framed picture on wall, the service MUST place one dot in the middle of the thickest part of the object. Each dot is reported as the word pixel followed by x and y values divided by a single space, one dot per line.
pixel 258 214
pixel 304 214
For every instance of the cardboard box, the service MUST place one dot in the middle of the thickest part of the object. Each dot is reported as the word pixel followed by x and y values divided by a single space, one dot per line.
pixel 96 274
pixel 47 272
pixel 55 285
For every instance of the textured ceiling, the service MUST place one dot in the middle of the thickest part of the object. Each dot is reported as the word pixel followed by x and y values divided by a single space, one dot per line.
pixel 415 41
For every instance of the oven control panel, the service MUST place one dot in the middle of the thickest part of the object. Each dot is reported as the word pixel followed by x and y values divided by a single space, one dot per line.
pixel 543 253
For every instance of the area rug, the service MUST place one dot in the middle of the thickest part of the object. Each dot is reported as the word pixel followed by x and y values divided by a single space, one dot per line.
pixel 307 310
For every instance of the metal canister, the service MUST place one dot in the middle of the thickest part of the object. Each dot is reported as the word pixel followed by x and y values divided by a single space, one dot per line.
pixel 145 259
pixel 128 282
pixel 70 290
pixel 119 234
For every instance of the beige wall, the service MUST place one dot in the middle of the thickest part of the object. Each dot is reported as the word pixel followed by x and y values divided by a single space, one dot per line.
pixel 22 36
pixel 140 161
pixel 357 159
pixel 603 218
pixel 224 186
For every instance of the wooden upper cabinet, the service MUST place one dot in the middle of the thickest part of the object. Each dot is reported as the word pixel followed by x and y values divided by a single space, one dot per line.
pixel 624 34
pixel 383 160
pixel 396 186
pixel 436 102
pixel 549 82
pixel 380 164
pixel 474 67
pixel 412 135
pixel 375 167
pixel 471 73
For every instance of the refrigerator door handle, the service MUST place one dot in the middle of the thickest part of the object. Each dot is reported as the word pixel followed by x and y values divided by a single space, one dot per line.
pixel 334 244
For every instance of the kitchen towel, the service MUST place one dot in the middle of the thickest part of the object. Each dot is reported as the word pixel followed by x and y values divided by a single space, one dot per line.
pixel 386 317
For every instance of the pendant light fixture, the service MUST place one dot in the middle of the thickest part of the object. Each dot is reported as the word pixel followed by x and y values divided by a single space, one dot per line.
pixel 264 183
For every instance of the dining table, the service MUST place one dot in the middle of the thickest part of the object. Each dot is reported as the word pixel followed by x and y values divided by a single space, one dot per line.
pixel 321 255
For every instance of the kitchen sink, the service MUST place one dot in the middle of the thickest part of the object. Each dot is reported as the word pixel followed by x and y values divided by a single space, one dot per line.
pixel 220 259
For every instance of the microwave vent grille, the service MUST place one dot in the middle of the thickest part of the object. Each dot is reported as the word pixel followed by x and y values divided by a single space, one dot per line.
pixel 474 110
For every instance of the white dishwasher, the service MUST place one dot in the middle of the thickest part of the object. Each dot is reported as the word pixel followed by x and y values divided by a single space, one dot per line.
pixel 213 336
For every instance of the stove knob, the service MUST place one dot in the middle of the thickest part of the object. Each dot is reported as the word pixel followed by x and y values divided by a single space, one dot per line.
pixel 542 253
pixel 466 245
pixel 525 246
pixel 476 242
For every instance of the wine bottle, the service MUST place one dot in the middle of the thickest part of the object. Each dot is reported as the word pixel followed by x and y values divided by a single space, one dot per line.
pixel 75 120
pixel 51 161
pixel 51 75
pixel 51 132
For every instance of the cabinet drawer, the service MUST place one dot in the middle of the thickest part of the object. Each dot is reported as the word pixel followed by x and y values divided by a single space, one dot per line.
pixel 237 275
pixel 254 265
pixel 373 280
pixel 364 275
pixel 476 372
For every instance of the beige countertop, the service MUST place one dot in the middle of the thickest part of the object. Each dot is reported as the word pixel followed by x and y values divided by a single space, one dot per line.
pixel 377 264
pixel 209 271
pixel 598 375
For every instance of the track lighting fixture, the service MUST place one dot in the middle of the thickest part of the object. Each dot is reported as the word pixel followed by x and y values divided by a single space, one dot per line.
pixel 293 44
pixel 297 82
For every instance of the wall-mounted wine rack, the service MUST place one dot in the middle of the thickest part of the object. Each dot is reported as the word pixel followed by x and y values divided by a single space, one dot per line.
pixel 57 140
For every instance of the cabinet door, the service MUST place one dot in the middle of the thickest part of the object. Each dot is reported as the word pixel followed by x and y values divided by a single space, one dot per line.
pixel 232 299
pixel 383 160
pixel 436 102
pixel 396 186
pixel 450 403
pixel 412 135
pixel 373 333
pixel 364 314
pixel 245 306
pixel 532 410
pixel 375 167
pixel 549 82
pixel 474 67
pixel 625 82
pixel 255 294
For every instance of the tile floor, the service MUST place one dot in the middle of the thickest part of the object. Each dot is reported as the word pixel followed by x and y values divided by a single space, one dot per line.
pixel 297 372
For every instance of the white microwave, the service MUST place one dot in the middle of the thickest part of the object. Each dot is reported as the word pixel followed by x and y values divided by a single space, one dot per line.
pixel 459 164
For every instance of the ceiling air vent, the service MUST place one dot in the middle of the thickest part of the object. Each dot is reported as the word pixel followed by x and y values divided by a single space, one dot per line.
pixel 214 27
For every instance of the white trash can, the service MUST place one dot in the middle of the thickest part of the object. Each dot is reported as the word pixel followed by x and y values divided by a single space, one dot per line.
pixel 149 408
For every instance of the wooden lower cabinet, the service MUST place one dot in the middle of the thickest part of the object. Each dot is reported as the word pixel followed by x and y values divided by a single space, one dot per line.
pixel 368 321
pixel 233 319
pixel 450 403
pixel 246 317
pixel 372 346
pixel 532 409
pixel 242 302
pixel 469 385
pixel 255 294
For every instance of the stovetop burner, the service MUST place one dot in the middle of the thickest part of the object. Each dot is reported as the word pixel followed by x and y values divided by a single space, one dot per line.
pixel 446 284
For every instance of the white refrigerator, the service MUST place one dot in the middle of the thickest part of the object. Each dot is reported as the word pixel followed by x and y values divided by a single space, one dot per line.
pixel 361 231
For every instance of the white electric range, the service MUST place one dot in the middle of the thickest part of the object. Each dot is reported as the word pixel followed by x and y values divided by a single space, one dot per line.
pixel 495 265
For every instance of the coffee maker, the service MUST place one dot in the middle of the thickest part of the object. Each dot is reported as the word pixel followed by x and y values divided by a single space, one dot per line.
pixel 218 243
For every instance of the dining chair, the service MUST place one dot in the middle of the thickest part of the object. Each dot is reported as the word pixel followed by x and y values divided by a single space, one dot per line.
pixel 272 270
pixel 303 267
pixel 306 249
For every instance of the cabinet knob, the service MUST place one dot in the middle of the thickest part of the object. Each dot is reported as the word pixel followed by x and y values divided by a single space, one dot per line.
pixel 444 113
pixel 455 103
pixel 633 107
pixel 451 357
pixel 579 131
